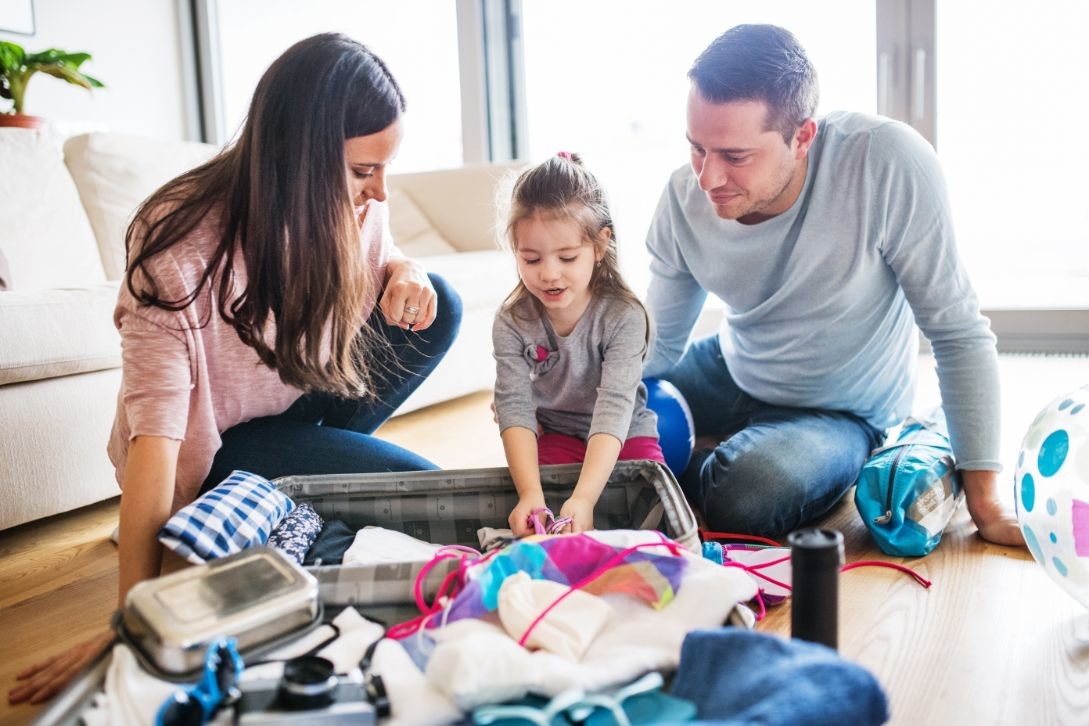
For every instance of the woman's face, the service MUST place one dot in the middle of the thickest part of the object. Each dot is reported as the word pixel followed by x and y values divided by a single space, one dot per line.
pixel 366 158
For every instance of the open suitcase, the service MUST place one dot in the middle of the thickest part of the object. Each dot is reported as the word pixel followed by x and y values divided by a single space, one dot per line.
pixel 444 507
pixel 448 507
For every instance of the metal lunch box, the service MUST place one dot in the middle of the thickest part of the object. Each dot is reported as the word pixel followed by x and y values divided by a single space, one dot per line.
pixel 259 596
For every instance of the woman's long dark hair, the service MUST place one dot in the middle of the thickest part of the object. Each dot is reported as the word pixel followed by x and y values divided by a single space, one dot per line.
pixel 281 196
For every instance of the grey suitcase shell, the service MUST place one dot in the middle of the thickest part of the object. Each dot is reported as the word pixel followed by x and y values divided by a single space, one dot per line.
pixel 444 507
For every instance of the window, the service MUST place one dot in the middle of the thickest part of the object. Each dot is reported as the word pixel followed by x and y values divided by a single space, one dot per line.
pixel 609 80
pixel 418 40
pixel 1010 102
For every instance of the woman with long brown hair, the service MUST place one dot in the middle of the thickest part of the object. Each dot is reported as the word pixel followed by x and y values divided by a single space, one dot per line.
pixel 267 321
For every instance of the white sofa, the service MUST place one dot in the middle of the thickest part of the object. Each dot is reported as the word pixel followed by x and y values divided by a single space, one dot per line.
pixel 63 214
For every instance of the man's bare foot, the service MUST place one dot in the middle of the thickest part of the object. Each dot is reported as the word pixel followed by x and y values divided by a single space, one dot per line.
pixel 996 523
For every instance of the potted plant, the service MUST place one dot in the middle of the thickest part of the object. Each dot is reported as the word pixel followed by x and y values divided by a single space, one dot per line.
pixel 16 68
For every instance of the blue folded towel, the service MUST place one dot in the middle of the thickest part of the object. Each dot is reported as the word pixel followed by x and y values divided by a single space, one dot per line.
pixel 737 676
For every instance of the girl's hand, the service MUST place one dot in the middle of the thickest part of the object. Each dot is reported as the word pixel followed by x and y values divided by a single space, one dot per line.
pixel 581 513
pixel 44 680
pixel 408 301
pixel 519 518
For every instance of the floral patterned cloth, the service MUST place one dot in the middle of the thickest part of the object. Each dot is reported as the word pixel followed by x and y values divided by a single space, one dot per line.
pixel 297 532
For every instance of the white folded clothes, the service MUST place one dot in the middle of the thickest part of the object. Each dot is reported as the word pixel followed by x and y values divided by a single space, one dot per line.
pixel 374 545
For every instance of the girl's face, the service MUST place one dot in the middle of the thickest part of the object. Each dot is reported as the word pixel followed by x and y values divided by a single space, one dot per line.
pixel 556 263
pixel 366 158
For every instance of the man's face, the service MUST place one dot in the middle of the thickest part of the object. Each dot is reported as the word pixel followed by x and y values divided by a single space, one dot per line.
pixel 746 169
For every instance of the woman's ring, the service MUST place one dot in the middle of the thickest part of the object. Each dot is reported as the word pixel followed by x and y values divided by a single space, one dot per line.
pixel 411 310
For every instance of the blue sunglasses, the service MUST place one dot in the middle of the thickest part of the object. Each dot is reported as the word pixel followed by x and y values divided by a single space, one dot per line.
pixel 639 702
pixel 218 687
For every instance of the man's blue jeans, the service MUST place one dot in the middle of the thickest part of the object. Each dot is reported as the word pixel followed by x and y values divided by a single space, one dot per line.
pixel 776 467
pixel 323 434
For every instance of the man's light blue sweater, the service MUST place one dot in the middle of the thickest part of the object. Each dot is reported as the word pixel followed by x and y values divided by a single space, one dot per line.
pixel 820 299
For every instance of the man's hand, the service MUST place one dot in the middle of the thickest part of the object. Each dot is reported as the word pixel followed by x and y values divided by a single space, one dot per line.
pixel 408 300
pixel 996 523
pixel 44 680
pixel 519 518
pixel 581 513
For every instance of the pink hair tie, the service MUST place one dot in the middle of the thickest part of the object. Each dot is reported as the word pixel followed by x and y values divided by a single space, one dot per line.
pixel 564 155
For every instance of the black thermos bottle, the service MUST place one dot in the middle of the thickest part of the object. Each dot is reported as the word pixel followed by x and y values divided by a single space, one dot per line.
pixel 816 555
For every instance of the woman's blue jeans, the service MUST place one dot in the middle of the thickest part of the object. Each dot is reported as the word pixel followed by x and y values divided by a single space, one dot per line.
pixel 775 468
pixel 323 434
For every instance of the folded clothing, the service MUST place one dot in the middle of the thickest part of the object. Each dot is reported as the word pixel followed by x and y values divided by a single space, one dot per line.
pixel 298 530
pixel 491 538
pixel 331 544
pixel 374 545
pixel 737 676
pixel 240 512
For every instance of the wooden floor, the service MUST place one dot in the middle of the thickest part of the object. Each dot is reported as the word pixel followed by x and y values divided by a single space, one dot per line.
pixel 992 642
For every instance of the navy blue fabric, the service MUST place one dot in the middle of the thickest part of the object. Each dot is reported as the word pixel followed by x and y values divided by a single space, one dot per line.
pixel 333 541
pixel 737 676
pixel 323 434
pixel 775 468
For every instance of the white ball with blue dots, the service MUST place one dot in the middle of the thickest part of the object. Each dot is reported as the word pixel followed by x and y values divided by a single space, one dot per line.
pixel 1051 491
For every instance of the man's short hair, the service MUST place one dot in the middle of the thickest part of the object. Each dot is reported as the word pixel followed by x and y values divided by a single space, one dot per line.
pixel 760 63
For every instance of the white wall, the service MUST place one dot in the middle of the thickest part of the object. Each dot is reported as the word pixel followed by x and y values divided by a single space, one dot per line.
pixel 137 54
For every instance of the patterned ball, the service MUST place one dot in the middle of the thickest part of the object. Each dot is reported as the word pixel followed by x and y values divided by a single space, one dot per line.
pixel 1051 491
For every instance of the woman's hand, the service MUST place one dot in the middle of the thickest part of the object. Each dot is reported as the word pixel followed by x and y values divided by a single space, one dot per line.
pixel 519 518
pixel 581 513
pixel 408 301
pixel 44 680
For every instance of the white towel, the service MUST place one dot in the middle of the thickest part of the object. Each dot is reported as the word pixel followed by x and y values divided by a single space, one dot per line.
pixel 374 545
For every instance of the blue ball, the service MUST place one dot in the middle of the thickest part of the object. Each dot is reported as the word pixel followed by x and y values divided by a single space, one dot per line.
pixel 676 432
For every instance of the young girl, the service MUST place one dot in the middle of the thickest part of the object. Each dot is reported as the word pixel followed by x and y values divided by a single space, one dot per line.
pixel 268 323
pixel 569 344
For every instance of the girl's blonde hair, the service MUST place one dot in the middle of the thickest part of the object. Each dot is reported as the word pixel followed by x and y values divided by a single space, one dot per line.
pixel 562 187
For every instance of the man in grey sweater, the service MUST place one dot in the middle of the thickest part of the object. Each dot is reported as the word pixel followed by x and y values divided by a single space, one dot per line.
pixel 828 241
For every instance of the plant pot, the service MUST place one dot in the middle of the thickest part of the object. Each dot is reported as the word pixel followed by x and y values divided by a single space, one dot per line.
pixel 21 121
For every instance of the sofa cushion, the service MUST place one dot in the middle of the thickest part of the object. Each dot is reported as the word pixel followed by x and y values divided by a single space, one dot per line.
pixel 483 279
pixel 115 173
pixel 46 237
pixel 50 333
pixel 52 449
pixel 412 230
pixel 461 203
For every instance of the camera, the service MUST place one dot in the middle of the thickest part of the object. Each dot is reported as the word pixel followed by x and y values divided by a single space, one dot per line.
pixel 309 692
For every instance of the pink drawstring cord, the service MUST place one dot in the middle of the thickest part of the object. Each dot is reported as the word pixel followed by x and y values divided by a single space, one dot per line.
pixel 673 547
pixel 892 565
pixel 754 570
pixel 544 521
pixel 763 610
pixel 448 589
pixel 706 535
